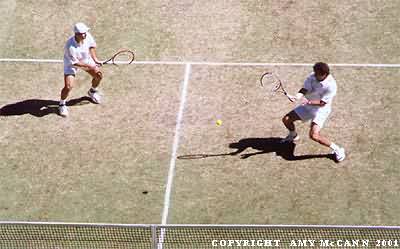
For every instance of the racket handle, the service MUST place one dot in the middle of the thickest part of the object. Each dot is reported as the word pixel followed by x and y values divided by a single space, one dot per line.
pixel 106 62
pixel 290 97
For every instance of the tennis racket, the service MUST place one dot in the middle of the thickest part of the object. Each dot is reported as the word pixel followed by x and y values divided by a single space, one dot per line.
pixel 272 82
pixel 121 57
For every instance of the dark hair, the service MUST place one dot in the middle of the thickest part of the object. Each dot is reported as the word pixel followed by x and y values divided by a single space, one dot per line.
pixel 321 68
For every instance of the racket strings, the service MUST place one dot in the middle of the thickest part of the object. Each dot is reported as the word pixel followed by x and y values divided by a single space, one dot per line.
pixel 123 57
pixel 276 86
pixel 270 81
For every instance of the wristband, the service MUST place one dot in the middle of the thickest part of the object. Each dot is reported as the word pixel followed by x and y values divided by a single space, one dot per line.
pixel 299 96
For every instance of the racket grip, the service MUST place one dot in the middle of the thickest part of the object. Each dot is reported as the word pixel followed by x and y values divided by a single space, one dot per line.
pixel 290 97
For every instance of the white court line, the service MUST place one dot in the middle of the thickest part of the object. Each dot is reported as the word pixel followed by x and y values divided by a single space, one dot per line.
pixel 171 172
pixel 240 64
pixel 30 60
pixel 179 118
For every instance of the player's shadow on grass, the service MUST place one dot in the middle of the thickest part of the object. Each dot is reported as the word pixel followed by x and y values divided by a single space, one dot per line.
pixel 38 107
pixel 263 146
pixel 271 145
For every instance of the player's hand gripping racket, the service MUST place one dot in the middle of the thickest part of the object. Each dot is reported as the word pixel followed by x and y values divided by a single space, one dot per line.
pixel 121 57
pixel 273 84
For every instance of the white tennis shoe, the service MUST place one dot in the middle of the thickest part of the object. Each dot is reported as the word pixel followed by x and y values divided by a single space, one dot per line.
pixel 95 96
pixel 290 138
pixel 63 110
pixel 340 154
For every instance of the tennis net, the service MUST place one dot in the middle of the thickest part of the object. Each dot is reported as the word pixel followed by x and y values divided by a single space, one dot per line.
pixel 41 235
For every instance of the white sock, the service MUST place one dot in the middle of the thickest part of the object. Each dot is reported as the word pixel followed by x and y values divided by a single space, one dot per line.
pixel 63 102
pixel 93 89
pixel 334 147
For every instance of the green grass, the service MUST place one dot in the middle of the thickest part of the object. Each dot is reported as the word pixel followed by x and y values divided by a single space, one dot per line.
pixel 94 166
pixel 269 189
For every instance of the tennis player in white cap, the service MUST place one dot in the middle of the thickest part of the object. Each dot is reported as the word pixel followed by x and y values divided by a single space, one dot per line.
pixel 80 53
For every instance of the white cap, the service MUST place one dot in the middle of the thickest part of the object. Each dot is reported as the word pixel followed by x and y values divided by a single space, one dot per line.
pixel 80 28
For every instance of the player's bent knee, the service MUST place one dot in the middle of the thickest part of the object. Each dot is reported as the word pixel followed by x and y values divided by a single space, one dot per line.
pixel 286 119
pixel 315 136
pixel 68 88
pixel 99 76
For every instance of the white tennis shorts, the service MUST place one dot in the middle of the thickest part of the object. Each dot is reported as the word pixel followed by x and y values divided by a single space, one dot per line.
pixel 71 70
pixel 316 114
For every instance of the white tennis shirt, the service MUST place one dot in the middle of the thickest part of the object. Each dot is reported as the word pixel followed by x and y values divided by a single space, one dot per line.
pixel 75 52
pixel 321 90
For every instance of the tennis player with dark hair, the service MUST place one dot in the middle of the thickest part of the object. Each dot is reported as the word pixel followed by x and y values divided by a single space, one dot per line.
pixel 80 53
pixel 316 95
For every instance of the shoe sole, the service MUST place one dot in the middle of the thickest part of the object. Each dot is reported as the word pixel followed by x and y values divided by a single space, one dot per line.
pixel 342 158
pixel 297 138
pixel 63 114
pixel 93 99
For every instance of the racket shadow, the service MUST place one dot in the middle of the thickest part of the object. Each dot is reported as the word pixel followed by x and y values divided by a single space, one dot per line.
pixel 262 146
pixel 202 156
pixel 38 107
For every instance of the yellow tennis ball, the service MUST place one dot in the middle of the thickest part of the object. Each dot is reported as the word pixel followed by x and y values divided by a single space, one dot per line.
pixel 219 122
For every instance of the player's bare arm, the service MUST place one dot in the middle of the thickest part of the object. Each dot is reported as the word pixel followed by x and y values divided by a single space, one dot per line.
pixel 93 54
pixel 299 95
pixel 85 66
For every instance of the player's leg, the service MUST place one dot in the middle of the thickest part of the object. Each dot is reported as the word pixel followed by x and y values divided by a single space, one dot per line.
pixel 97 76
pixel 288 120
pixel 68 84
pixel 315 134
